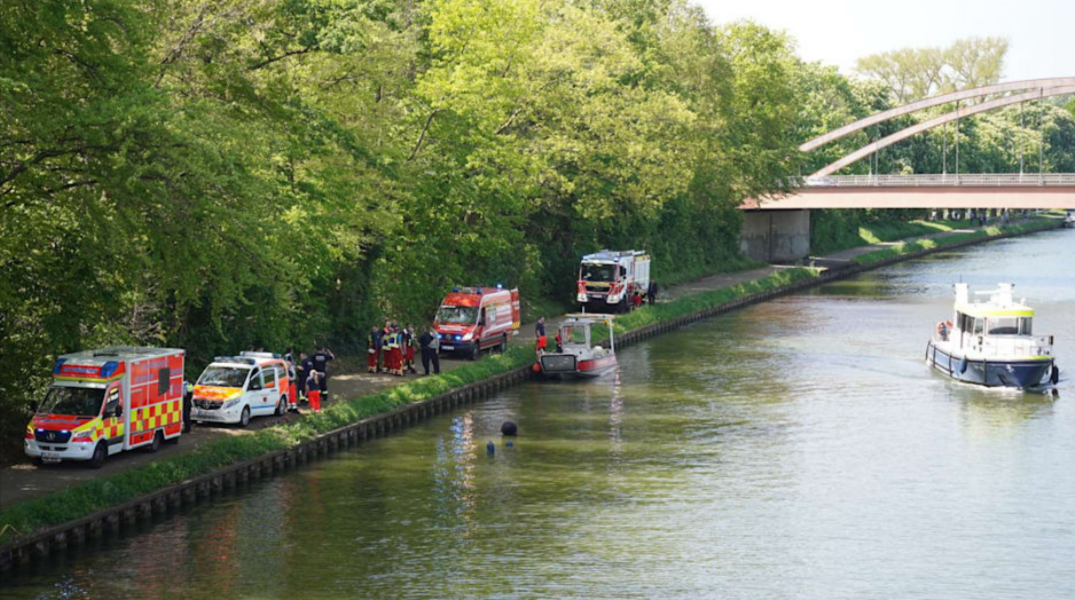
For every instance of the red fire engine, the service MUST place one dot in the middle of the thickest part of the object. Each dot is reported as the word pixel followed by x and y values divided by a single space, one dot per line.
pixel 608 280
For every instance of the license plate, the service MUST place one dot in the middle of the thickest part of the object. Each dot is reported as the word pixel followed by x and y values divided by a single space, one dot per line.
pixel 447 347
pixel 50 455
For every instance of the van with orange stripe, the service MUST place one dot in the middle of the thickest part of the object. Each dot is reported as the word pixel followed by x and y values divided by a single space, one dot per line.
pixel 102 402
pixel 232 389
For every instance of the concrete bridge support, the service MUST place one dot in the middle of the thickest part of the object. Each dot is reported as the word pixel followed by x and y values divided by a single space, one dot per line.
pixel 775 235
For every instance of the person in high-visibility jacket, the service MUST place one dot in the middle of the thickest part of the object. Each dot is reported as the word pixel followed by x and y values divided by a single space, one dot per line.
pixel 397 351
pixel 390 351
pixel 408 349
pixel 373 348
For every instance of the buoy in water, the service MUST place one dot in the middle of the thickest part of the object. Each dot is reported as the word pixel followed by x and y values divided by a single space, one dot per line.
pixel 490 448
pixel 509 428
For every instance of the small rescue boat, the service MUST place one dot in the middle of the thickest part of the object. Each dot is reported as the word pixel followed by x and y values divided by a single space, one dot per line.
pixel 578 359
pixel 1069 220
pixel 991 343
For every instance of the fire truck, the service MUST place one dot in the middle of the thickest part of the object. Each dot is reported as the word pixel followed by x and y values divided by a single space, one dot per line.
pixel 472 319
pixel 608 279
pixel 102 402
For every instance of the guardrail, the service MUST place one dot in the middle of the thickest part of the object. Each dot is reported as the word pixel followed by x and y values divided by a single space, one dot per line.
pixel 978 180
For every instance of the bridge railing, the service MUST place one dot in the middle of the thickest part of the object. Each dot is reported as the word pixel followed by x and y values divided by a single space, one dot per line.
pixel 972 180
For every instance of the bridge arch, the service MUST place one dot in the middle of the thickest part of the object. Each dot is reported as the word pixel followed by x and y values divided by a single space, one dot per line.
pixel 965 111
pixel 978 92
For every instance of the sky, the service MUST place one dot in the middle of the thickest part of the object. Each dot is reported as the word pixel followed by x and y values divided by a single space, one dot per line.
pixel 837 32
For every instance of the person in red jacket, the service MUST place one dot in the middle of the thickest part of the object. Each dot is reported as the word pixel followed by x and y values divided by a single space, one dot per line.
pixel 373 348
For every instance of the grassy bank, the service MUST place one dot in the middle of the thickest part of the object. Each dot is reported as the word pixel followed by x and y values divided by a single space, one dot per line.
pixel 919 245
pixel 834 235
pixel 84 499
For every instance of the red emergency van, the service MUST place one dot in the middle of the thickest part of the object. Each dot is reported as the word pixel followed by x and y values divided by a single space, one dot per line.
pixel 102 402
pixel 473 319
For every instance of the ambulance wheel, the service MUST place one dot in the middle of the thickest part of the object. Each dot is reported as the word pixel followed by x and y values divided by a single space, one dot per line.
pixel 504 344
pixel 280 406
pixel 473 354
pixel 244 419
pixel 156 443
pixel 100 454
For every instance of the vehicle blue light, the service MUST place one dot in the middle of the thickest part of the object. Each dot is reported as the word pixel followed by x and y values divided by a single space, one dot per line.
pixel 109 368
pixel 59 365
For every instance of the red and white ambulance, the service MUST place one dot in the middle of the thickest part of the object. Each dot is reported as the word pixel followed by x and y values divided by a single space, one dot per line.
pixel 102 402
pixel 232 389
pixel 472 319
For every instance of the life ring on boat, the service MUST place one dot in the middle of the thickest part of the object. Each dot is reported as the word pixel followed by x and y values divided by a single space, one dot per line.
pixel 963 365
pixel 1056 374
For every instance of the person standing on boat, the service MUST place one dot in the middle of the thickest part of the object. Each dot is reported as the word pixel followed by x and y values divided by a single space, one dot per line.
pixel 539 332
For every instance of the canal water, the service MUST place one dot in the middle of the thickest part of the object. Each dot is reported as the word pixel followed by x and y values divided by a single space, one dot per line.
pixel 795 449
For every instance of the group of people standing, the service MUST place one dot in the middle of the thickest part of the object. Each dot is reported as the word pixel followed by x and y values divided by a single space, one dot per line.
pixel 311 373
pixel 391 349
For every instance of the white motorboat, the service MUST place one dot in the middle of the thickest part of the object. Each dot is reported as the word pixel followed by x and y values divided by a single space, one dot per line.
pixel 578 358
pixel 991 343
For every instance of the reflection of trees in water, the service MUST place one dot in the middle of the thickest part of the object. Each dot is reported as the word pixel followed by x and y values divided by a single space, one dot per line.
pixel 453 474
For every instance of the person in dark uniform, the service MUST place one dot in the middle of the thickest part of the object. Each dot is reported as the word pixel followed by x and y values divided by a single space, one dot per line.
pixel 428 343
pixel 321 359
pixel 188 399
pixel 304 368
pixel 651 293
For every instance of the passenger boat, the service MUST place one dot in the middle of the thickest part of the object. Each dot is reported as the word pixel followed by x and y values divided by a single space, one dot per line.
pixel 991 343
pixel 578 359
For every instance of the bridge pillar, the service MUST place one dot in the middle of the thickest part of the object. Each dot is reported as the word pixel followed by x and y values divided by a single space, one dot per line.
pixel 775 235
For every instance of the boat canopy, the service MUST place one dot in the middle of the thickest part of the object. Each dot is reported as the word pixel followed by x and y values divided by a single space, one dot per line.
pixel 982 311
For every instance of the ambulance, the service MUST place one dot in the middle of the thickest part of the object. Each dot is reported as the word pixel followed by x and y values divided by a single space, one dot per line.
pixel 233 389
pixel 102 402
pixel 472 319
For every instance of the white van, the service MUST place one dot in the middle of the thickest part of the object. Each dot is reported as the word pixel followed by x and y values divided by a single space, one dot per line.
pixel 233 389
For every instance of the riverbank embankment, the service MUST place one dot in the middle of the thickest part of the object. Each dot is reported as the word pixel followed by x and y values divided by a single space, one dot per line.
pixel 91 509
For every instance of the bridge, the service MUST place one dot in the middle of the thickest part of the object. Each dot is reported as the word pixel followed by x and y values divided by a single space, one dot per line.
pixel 777 227
pixel 1011 191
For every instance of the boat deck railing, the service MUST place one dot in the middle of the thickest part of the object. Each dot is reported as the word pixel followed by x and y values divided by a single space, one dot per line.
pixel 1011 345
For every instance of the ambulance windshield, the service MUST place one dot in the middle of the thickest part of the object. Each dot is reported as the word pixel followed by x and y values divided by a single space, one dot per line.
pixel 458 314
pixel 232 377
pixel 595 272
pixel 75 401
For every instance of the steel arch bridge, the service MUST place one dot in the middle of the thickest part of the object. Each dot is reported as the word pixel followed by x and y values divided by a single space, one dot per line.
pixel 1025 190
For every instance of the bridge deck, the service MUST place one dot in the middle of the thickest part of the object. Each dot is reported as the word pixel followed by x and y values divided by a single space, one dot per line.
pixel 1028 191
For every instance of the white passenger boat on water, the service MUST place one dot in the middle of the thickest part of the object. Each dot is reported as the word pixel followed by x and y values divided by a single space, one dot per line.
pixel 991 343
pixel 577 358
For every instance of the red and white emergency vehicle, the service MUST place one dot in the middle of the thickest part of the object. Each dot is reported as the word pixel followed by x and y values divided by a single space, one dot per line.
pixel 105 401
pixel 232 389
pixel 473 319
pixel 608 279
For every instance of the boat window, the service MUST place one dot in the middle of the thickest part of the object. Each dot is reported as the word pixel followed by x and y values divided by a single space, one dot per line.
pixel 1003 325
pixel 1026 325
pixel 979 326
